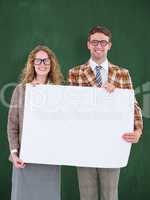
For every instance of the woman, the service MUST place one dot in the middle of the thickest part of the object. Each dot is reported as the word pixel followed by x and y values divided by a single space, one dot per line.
pixel 32 181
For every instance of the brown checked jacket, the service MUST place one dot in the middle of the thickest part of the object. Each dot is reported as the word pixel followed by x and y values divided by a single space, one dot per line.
pixel 83 75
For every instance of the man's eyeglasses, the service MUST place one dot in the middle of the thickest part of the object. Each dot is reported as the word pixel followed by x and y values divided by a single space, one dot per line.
pixel 95 43
pixel 38 61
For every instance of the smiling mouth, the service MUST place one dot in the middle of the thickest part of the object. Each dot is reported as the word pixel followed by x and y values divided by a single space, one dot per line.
pixel 42 70
pixel 98 51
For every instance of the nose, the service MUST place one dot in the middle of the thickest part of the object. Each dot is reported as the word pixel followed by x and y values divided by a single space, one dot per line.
pixel 42 63
pixel 99 45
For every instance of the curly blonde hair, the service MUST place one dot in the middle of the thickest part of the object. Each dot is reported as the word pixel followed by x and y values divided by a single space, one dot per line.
pixel 28 74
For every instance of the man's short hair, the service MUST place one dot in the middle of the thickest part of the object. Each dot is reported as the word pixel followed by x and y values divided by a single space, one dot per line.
pixel 100 29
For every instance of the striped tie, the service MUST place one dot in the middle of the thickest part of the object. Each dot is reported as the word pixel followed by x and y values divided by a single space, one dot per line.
pixel 98 76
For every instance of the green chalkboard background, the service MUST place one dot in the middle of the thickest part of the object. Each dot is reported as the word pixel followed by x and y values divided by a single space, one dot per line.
pixel 63 26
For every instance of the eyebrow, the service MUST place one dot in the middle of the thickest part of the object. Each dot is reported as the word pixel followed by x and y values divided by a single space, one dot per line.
pixel 42 58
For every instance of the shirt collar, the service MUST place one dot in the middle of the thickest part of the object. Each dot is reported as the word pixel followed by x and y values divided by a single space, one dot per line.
pixel 93 64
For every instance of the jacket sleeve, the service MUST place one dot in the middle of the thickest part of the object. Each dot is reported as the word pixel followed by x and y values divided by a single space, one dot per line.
pixel 73 77
pixel 138 122
pixel 13 121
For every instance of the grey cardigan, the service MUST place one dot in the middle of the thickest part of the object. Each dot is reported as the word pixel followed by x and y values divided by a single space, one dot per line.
pixel 15 117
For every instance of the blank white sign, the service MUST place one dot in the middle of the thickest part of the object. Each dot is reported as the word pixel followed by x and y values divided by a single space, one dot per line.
pixel 77 126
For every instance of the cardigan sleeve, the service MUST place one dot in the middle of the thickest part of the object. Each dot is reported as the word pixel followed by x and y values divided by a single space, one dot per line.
pixel 13 120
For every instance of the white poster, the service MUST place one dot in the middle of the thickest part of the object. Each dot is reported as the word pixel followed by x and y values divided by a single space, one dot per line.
pixel 77 126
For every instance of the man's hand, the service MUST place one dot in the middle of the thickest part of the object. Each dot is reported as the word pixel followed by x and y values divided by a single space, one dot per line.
pixel 132 137
pixel 18 163
pixel 109 87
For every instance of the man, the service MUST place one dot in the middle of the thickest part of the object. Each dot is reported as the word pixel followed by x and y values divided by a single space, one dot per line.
pixel 98 71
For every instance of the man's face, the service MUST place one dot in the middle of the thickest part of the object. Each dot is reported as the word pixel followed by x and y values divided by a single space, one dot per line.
pixel 98 45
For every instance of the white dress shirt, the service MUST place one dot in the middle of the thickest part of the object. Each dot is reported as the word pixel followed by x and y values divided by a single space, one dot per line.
pixel 103 69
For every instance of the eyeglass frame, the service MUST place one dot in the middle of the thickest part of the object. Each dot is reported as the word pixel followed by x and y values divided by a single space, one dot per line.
pixel 41 60
pixel 99 42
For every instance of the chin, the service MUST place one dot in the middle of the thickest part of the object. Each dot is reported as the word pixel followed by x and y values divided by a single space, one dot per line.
pixel 41 74
pixel 98 57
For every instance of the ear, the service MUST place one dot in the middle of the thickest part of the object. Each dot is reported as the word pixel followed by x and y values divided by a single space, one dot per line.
pixel 110 45
pixel 88 44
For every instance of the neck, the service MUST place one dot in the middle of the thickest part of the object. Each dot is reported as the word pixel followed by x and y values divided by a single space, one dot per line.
pixel 41 79
pixel 99 61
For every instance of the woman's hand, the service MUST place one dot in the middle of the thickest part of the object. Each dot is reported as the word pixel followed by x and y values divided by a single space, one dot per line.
pixel 18 163
pixel 35 82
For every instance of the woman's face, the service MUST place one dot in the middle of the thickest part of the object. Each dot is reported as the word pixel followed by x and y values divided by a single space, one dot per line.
pixel 42 64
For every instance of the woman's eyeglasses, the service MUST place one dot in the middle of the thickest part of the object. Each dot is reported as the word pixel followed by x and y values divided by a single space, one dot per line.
pixel 38 61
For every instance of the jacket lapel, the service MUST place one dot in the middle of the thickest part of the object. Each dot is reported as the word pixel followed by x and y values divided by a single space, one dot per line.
pixel 89 75
pixel 111 73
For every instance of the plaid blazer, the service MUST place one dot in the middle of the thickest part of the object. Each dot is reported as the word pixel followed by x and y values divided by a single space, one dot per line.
pixel 83 75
